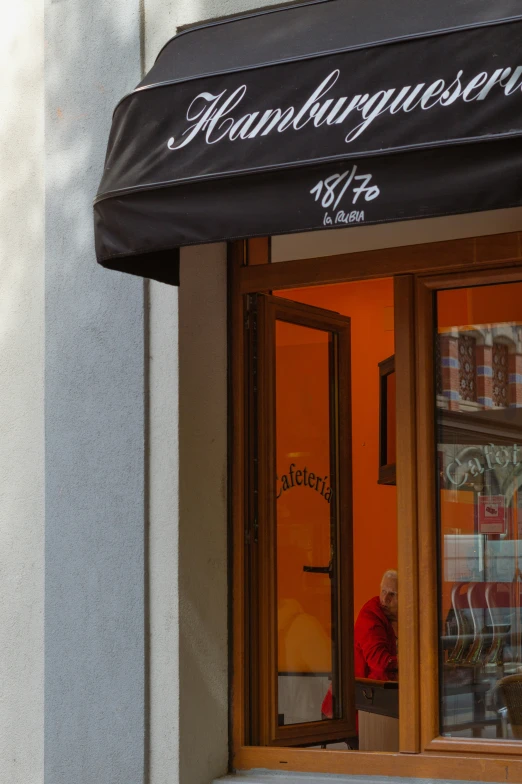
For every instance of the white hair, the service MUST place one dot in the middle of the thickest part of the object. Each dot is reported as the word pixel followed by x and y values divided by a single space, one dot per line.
pixel 390 574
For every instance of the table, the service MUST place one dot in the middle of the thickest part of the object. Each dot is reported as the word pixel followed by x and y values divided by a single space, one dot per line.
pixel 377 703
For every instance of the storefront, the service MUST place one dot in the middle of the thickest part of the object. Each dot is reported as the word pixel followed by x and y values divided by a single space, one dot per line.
pixel 374 395
pixel 417 341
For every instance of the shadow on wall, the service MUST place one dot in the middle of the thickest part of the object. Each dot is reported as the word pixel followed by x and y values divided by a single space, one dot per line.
pixel 94 427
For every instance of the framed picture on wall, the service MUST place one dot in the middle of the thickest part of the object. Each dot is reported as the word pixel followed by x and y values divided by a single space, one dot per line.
pixel 387 444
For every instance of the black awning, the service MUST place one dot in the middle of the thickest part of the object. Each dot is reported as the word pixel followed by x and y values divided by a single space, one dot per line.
pixel 327 114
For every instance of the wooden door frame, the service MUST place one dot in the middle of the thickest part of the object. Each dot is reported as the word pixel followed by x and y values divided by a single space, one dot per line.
pixel 484 257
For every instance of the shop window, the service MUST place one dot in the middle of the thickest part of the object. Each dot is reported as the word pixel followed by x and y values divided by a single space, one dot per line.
pixel 480 517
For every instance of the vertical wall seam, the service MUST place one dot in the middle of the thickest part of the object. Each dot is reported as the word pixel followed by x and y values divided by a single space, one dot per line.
pixel 142 32
pixel 146 476
pixel 146 533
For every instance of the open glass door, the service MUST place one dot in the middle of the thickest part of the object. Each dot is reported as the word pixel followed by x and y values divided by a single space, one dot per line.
pixel 301 523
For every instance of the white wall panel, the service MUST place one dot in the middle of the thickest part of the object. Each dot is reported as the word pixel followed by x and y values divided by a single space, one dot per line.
pixel 21 393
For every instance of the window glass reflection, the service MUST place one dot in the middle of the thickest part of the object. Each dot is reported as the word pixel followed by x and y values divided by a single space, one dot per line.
pixel 479 444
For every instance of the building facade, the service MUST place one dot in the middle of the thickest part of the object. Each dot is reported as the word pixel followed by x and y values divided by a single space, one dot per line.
pixel 115 490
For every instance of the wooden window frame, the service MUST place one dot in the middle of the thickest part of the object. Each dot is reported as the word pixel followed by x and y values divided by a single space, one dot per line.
pixel 417 270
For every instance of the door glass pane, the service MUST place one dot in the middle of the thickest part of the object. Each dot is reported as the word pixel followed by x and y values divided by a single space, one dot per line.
pixel 305 492
pixel 368 551
pixel 479 450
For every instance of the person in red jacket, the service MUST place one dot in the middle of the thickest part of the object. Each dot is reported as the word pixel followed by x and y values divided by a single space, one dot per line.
pixel 375 637
pixel 376 632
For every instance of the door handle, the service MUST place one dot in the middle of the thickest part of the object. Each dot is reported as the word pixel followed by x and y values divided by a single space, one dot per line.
pixel 318 569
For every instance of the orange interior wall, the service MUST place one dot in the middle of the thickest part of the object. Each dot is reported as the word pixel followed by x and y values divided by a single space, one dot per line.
pixel 369 304
pixel 479 305
pixel 303 514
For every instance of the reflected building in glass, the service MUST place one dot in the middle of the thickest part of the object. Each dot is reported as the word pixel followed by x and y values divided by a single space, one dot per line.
pixel 479 444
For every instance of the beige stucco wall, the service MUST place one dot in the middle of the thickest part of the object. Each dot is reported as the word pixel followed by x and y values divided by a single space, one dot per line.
pixel 188 523
pixel 21 393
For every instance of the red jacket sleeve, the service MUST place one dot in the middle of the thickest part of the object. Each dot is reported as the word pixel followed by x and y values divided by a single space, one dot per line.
pixel 377 647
